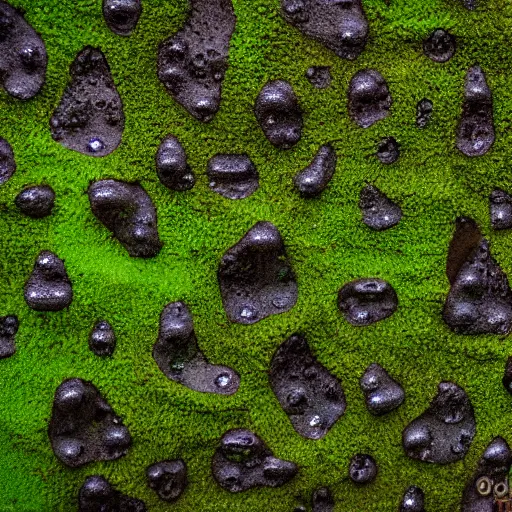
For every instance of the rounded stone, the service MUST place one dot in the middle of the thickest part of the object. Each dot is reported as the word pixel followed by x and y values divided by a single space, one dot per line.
pixel 102 339
pixel 362 469
pixel 37 201
pixel 388 150
pixel 439 46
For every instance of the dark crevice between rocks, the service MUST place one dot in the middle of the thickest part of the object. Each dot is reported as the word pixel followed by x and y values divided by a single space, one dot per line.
pixel 168 478
pixel 312 180
pixel 122 16
pixel 8 330
pixel 382 393
pixel 232 176
pixel 172 167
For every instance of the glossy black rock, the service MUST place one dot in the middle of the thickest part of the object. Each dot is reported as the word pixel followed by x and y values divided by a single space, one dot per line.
pixel 500 209
pixel 445 431
pixel 278 113
pixel 127 211
pixel 310 395
pixel 341 26
pixel 312 180
pixel 439 46
pixel 369 99
pixel 232 176
pixel 507 375
pixel 36 202
pixel 89 118
pixel 255 277
pixel 23 56
pixel 168 479
pixel 177 354
pixel 122 16
pixel 322 500
pixel 413 500
pixel 424 110
pixel 382 393
pixel 172 167
pixel 8 329
pixel 192 64
pixel 102 339
pixel 319 76
pixel 475 133
pixel 388 150
pixel 243 461
pixel 378 211
pixel 362 469
pixel 83 427
pixel 7 162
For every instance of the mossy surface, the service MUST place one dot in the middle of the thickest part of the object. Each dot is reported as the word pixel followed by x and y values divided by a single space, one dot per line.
pixel 326 241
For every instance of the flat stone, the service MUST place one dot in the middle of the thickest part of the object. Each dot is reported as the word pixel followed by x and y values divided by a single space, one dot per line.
pixel 90 117
pixel 102 339
pixel 122 16
pixel 172 167
pixel 507 375
pixel 37 201
pixel 83 427
pixel 382 393
pixel 192 64
pixel 255 277
pixel 232 176
pixel 243 461
pixel 362 469
pixel 168 479
pixel 312 180
pixel 413 500
pixel 278 113
pixel 8 329
pixel 319 76
pixel 445 431
pixel 7 162
pixel 500 209
pixel 23 56
pixel 378 211
pixel 440 46
pixel 48 288
pixel 177 354
pixel 322 500
pixel 310 395
pixel 388 150
pixel 127 210
pixel 424 110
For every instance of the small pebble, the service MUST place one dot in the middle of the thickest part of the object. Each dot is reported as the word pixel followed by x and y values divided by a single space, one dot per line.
pixel 312 180
pixel 319 76
pixel 439 46
pixel 362 469
pixel 322 500
pixel 102 340
pixel 424 110
pixel 172 167
pixel 413 500
pixel 232 176
pixel 500 206
pixel 388 150
pixel 168 479
pixel 382 393
pixel 8 329
pixel 122 16
pixel 379 212
pixel 36 202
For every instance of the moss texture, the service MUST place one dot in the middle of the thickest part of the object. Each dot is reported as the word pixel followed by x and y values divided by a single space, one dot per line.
pixel 327 243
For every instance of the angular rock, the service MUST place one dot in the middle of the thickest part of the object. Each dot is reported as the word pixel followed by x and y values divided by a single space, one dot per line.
pixel 127 210
pixel 232 176
pixel 278 113
pixel 475 133
pixel 7 162
pixel 413 500
pixel 507 376
pixel 382 393
pixel 243 461
pixel 177 354
pixel 369 99
pixel 168 479
pixel 340 25
pixel 8 329
pixel 83 427
pixel 310 395
pixel 445 431
pixel 48 288
pixel 36 202
pixel 500 206
pixel 122 16
pixel 379 212
pixel 319 76
pixel 172 167
pixel 312 180
pixel 192 64
pixel 388 150
pixel 322 500
pixel 424 110
pixel 255 276
pixel 362 469
pixel 439 46
pixel 102 339
pixel 23 56
pixel 90 117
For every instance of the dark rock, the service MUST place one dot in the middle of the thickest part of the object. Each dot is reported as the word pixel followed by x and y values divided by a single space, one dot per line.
pixel 192 64
pixel 500 205
pixel 300 508
pixel 83 427
pixel 36 202
pixel 382 393
pixel 445 431
pixel 379 212
pixel 322 500
pixel 424 110
pixel 8 329
pixel 439 46
pixel 312 180
pixel 98 495
pixel 243 461
pixel 340 25
pixel 255 276
pixel 319 76
pixel 127 210
pixel 122 16
pixel 7 162
pixel 23 56
pixel 470 4
pixel 90 117
pixel 507 376
pixel 413 501
pixel 388 150
pixel 278 112
pixel 490 480
pixel 232 176
pixel 369 99
pixel 177 354
pixel 310 395
pixel 48 288
pixel 475 133
pixel 168 479
pixel 102 340
pixel 172 167
pixel 362 469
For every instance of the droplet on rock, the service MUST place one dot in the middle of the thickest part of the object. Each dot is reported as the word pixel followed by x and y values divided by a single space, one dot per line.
pixel 7 162
pixel 36 201
pixel 168 479
pixel 319 76
pixel 382 393
pixel 362 469
pixel 172 167
pixel 312 180
pixel 232 176
pixel 8 329
pixel 379 212
pixel 388 150
pixel 122 16
pixel 500 206
pixel 102 339
pixel 439 46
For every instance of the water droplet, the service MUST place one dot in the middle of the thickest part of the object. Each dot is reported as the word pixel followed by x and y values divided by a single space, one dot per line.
pixel 315 421
pixel 96 145
pixel 223 380
pixel 248 313
pixel 281 301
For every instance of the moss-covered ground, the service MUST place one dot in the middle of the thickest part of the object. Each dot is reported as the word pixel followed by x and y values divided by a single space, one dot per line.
pixel 327 243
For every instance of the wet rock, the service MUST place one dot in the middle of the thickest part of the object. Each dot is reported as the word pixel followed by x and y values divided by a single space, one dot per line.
pixel 310 395
pixel 98 495
pixel 507 376
pixel 439 46
pixel 445 431
pixel 23 56
pixel 192 64
pixel 312 180
pixel 232 176
pixel 36 202
pixel 388 150
pixel 319 76
pixel 243 461
pixel 255 276
pixel 127 210
pixel 475 133
pixel 362 469
pixel 102 340
pixel 83 427
pixel 369 99
pixel 122 16
pixel 340 25
pixel 322 500
pixel 8 329
pixel 500 206
pixel 48 288
pixel 413 501
pixel 424 110
pixel 168 479
pixel 278 113
pixel 7 162
pixel 379 212
pixel 177 354
pixel 90 117
pixel 490 479
pixel 382 393
pixel 172 167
